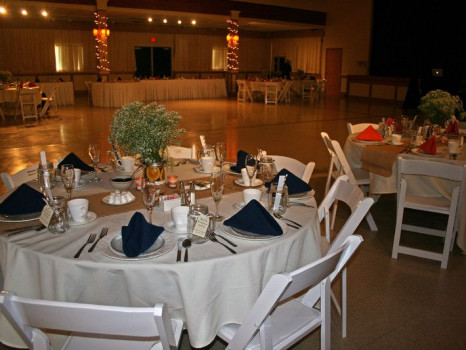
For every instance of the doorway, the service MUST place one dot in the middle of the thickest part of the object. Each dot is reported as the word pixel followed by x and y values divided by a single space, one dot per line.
pixel 333 61
pixel 153 61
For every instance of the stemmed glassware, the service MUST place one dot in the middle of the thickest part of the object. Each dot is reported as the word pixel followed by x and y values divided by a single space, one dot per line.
pixel 149 196
pixel 217 185
pixel 250 164
pixel 67 176
pixel 94 154
pixel 220 152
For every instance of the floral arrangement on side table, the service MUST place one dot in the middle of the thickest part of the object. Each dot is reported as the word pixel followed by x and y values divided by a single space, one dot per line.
pixel 438 106
pixel 145 131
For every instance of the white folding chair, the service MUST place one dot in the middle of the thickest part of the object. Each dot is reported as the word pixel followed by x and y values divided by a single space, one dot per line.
pixel 285 92
pixel 352 128
pixel 28 104
pixel 356 176
pixel 88 84
pixel 268 326
pixel 350 194
pixel 243 91
pixel 428 203
pixel 271 93
pixel 24 175
pixel 301 170
pixel 93 326
pixel 50 102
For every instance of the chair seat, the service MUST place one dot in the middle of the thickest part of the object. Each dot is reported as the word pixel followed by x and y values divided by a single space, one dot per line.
pixel 290 322
pixel 432 204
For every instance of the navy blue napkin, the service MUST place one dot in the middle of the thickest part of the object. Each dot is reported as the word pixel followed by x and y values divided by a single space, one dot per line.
pixel 139 235
pixel 24 200
pixel 76 162
pixel 256 219
pixel 240 159
pixel 294 183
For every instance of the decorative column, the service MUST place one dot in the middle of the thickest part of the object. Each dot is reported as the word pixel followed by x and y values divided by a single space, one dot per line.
pixel 101 33
pixel 233 51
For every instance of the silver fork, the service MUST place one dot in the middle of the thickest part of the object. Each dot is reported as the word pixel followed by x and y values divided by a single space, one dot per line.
pixel 279 216
pixel 103 233
pixel 213 239
pixel 89 240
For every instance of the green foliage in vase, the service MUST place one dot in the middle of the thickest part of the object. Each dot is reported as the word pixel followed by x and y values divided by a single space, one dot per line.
pixel 145 130
pixel 438 106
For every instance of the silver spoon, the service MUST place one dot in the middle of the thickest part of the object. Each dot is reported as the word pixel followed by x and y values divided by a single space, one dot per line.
pixel 186 244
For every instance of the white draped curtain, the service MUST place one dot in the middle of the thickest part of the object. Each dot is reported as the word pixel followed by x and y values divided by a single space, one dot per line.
pixel 304 53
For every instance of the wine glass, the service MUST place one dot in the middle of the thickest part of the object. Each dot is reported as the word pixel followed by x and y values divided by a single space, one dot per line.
pixel 217 184
pixel 150 194
pixel 67 176
pixel 94 154
pixel 250 164
pixel 220 152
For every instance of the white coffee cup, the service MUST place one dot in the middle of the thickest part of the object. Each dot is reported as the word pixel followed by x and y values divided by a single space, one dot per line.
pixel 251 193
pixel 180 217
pixel 244 175
pixel 78 209
pixel 396 139
pixel 77 176
pixel 127 163
pixel 207 163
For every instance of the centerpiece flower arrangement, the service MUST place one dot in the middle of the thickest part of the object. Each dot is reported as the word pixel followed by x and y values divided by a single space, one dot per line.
pixel 5 77
pixel 146 131
pixel 438 106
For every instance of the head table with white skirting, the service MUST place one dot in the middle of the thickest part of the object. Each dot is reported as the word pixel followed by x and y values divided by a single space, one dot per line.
pixel 213 288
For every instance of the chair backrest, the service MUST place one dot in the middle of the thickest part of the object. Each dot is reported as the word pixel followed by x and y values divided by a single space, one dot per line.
pixel 48 101
pixel 28 315
pixel 344 191
pixel 334 162
pixel 352 128
pixel 282 286
pixel 301 170
pixel 22 176
pixel 345 168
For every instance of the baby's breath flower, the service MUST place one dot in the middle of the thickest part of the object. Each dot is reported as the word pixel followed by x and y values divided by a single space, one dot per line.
pixel 439 105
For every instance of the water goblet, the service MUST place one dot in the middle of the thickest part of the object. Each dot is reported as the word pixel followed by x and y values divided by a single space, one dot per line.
pixel 94 154
pixel 250 164
pixel 217 185
pixel 67 177
pixel 220 152
pixel 150 194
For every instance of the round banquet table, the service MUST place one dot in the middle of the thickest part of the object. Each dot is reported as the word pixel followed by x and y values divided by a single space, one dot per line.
pixel 64 91
pixel 214 288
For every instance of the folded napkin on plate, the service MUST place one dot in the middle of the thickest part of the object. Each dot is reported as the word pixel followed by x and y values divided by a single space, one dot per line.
pixel 139 235
pixel 256 219
pixel 240 159
pixel 369 134
pixel 24 200
pixel 76 162
pixel 294 183
pixel 430 146
pixel 452 128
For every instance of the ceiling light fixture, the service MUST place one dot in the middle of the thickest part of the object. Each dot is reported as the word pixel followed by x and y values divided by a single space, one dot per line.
pixel 149 19
pixel 179 21
pixel 44 13
pixel 2 10
pixel 193 22
pixel 24 12
pixel 165 20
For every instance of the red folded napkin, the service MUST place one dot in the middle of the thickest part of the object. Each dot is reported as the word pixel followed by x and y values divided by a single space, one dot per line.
pixel 452 128
pixel 430 146
pixel 389 121
pixel 369 134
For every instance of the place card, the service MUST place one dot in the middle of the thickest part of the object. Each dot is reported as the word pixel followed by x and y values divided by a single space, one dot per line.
pixel 46 215
pixel 202 225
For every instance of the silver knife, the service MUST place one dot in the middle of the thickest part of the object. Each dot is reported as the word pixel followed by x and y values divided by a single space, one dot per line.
pixel 178 254
pixel 11 232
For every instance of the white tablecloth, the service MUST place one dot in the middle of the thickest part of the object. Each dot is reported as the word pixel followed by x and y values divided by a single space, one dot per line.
pixel 212 289
pixel 64 94
pixel 11 95
pixel 388 184
pixel 117 94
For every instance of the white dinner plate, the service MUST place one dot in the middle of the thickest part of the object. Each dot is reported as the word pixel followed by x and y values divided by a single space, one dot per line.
pixel 421 153
pixel 170 227
pixel 252 236
pixel 201 185
pixel 105 200
pixel 19 218
pixel 226 168
pixel 111 246
pixel 255 183
pixel 200 169
pixel 294 197
pixel 239 205
pixel 370 142
pixel 91 216
pixel 395 144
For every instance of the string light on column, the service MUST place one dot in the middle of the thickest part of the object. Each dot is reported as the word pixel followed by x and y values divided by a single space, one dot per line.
pixel 233 45
pixel 101 34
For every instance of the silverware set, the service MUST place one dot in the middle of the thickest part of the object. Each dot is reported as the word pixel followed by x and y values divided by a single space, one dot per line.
pixel 14 231
pixel 289 222
pixel 92 239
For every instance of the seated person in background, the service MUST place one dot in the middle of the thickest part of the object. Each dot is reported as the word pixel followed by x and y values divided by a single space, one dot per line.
pixel 37 79
pixel 287 69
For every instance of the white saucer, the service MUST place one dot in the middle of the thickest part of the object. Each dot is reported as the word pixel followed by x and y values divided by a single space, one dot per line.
pixel 91 216
pixel 201 170
pixel 170 227
pixel 395 144
pixel 201 185
pixel 120 171
pixel 255 183
pixel 226 168
pixel 105 200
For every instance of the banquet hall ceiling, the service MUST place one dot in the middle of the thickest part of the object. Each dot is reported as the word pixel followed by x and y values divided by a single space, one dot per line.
pixel 208 13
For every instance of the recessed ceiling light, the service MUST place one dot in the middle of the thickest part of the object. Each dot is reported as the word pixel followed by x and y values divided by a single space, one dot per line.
pixel 165 20
pixel 2 10
pixel 44 13
pixel 179 21
pixel 24 12
pixel 193 22
pixel 149 19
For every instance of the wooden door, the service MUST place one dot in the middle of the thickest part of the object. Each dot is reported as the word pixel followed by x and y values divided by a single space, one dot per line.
pixel 333 59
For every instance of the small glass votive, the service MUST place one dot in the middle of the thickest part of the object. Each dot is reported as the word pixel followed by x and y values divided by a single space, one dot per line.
pixel 278 200
pixel 172 181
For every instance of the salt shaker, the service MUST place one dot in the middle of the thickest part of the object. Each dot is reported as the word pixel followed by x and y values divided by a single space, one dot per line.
pixel 192 193
pixel 183 198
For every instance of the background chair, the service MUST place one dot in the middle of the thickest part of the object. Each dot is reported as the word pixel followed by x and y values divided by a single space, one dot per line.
pixel 268 326
pixel 243 91
pixel 359 127
pixel 428 203
pixel 95 326
pixel 24 175
pixel 285 92
pixel 301 170
pixel 88 84
pixel 271 93
pixel 28 104
pixel 49 102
